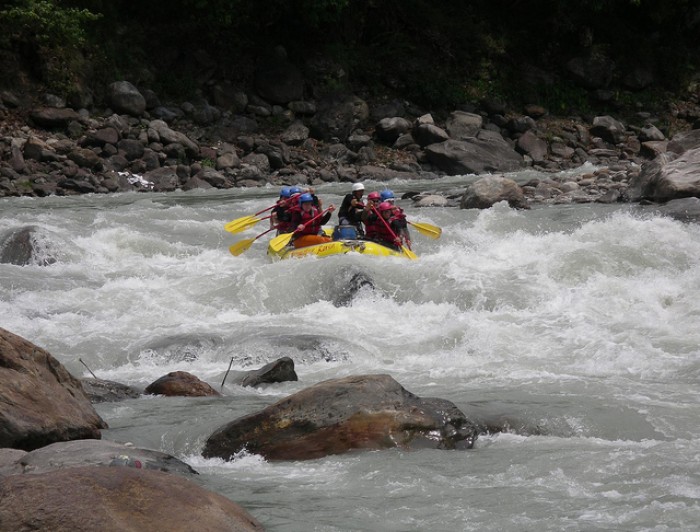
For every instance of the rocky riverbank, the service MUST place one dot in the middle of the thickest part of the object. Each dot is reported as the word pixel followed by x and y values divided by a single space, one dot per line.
pixel 134 142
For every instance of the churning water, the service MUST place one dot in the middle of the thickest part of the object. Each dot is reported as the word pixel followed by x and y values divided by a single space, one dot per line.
pixel 574 327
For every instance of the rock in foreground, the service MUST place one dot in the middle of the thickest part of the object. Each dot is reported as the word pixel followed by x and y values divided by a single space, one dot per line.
pixel 40 401
pixel 118 499
pixel 340 415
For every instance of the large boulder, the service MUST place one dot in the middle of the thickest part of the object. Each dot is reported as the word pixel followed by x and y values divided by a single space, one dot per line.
pixel 490 190
pixel 123 97
pixel 668 177
pixel 118 499
pixel 340 415
pixel 40 402
pixel 488 152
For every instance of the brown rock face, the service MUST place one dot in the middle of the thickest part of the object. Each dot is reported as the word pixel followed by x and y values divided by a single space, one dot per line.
pixel 181 383
pixel 40 402
pixel 118 499
pixel 340 415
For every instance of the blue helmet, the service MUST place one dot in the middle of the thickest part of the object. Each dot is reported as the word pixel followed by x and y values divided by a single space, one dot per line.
pixel 294 190
pixel 386 195
pixel 285 192
pixel 305 198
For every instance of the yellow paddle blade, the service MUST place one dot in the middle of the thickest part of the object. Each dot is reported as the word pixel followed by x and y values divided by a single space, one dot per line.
pixel 240 247
pixel 241 224
pixel 429 230
pixel 280 241
pixel 409 253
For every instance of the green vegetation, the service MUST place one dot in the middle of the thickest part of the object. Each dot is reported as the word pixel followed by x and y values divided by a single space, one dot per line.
pixel 437 54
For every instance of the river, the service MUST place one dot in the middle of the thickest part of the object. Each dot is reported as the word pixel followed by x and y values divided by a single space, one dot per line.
pixel 578 325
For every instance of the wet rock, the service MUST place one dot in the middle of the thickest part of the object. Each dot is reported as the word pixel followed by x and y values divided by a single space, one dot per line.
pixel 280 370
pixel 77 453
pixel 668 177
pixel 40 402
pixel 20 247
pixel 490 190
pixel 353 413
pixel 102 391
pixel 685 210
pixel 121 499
pixel 181 383
pixel 10 461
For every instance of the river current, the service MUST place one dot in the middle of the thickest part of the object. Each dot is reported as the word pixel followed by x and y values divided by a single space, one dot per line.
pixel 577 326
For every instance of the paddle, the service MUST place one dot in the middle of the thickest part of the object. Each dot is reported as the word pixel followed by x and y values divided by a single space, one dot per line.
pixel 243 223
pixel 280 242
pixel 429 230
pixel 240 247
pixel 245 219
pixel 405 250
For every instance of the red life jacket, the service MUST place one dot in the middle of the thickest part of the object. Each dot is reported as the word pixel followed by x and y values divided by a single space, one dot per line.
pixel 304 217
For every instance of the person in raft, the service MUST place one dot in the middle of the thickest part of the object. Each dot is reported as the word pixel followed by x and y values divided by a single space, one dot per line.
pixel 351 208
pixel 378 229
pixel 281 215
pixel 307 229
pixel 368 215
pixel 399 216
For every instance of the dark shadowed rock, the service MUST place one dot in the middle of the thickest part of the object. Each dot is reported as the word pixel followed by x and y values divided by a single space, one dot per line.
pixel 52 117
pixel 281 370
pixel 40 402
pixel 123 97
pixel 277 80
pixel 118 499
pixel 181 383
pixel 337 117
pixel 101 391
pixel 77 453
pixel 608 129
pixel 490 190
pixel 340 415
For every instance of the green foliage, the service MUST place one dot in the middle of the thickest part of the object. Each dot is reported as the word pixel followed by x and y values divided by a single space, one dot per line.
pixel 46 23
pixel 52 33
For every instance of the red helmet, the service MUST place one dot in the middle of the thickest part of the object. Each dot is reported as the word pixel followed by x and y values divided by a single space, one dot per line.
pixel 374 196
pixel 385 206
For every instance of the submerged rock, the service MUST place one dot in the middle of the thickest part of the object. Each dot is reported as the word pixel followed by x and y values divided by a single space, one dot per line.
pixel 19 246
pixel 102 391
pixel 340 415
pixel 62 455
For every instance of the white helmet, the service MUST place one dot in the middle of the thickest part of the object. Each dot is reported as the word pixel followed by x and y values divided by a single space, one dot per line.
pixel 358 186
